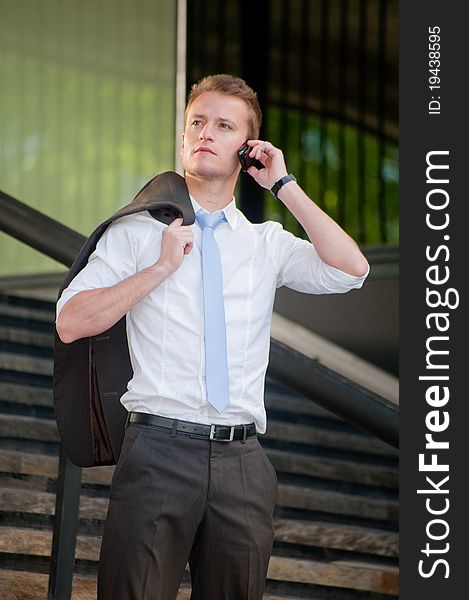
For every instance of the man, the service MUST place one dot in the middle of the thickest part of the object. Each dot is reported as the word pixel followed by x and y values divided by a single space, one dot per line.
pixel 177 495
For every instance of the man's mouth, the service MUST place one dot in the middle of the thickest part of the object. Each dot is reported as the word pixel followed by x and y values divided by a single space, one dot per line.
pixel 205 149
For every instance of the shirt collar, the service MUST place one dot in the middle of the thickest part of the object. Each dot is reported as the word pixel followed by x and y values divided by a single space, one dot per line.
pixel 230 211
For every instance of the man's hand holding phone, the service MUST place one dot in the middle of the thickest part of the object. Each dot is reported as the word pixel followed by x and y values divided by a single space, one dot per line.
pixel 267 162
pixel 246 161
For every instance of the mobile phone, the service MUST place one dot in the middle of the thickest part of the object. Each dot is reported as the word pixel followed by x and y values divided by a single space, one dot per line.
pixel 246 160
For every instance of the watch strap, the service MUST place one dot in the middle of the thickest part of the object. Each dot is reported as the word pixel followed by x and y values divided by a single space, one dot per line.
pixel 280 183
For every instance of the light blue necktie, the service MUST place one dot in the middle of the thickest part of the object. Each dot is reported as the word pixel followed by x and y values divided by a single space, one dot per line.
pixel 216 362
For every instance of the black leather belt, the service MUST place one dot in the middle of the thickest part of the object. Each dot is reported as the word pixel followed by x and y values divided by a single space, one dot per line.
pixel 219 433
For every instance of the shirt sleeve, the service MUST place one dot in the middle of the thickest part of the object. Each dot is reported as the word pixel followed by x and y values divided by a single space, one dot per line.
pixel 300 267
pixel 113 260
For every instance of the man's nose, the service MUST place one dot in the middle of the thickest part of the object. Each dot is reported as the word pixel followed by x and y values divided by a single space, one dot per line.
pixel 206 132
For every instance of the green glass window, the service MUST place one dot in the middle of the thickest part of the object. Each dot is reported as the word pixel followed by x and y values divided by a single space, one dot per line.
pixel 87 109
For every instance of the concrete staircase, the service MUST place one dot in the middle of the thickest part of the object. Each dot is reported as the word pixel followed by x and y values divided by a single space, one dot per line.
pixel 336 520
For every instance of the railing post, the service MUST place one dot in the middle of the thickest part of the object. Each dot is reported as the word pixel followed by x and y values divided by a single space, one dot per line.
pixel 65 529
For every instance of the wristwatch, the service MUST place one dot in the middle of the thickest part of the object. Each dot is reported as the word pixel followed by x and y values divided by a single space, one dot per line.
pixel 280 183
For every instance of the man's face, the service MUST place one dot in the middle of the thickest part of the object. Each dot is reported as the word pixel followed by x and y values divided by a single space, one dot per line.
pixel 217 126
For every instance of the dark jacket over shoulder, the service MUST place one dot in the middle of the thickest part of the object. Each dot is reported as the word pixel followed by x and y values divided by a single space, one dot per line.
pixel 91 374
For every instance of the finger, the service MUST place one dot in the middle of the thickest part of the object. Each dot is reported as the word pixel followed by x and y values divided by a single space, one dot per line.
pixel 268 148
pixel 188 248
pixel 253 144
pixel 257 152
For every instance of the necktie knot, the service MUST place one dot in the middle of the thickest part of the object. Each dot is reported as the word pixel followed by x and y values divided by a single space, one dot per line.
pixel 212 220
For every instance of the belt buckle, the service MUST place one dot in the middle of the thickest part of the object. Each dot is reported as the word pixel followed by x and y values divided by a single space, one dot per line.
pixel 216 439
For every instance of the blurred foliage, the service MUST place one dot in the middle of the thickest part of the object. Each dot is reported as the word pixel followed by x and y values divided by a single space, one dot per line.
pixel 327 160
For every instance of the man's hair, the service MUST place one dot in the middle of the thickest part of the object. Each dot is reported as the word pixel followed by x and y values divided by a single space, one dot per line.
pixel 231 86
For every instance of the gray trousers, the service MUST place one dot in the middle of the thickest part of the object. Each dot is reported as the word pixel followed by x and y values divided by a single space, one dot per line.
pixel 178 498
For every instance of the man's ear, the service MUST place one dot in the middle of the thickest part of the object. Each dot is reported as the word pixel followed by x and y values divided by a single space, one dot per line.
pixel 182 143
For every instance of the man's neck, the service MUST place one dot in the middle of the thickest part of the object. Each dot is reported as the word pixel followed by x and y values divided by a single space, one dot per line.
pixel 212 194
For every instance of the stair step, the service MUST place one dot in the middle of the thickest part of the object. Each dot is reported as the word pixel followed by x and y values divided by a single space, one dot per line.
pixel 29 395
pixel 337 503
pixel 14 299
pixel 287 461
pixel 337 536
pixel 25 364
pixel 24 585
pixel 383 579
pixel 13 322
pixel 25 336
pixel 284 461
pixel 29 428
pixel 35 428
pixel 46 314
pixel 35 542
pixel 22 499
pixel 361 575
pixel 344 440
pixel 24 463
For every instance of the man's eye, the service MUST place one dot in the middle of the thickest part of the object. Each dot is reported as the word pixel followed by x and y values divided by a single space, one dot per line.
pixel 225 126
pixel 196 122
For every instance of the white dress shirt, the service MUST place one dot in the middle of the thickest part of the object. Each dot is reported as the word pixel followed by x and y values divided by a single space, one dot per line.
pixel 165 330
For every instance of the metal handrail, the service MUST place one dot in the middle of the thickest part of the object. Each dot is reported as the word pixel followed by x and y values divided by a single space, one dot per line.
pixel 39 231
pixel 307 376
pixel 334 392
